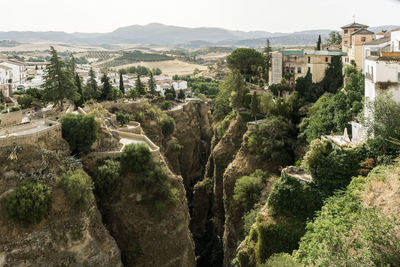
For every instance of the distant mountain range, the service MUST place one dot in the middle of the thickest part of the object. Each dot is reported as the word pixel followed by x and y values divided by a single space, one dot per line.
pixel 160 34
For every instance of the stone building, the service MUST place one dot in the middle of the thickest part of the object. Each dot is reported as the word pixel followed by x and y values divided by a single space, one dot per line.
pixel 294 64
pixel 354 36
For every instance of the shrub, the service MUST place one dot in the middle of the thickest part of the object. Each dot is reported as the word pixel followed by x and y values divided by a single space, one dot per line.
pixel 122 118
pixel 25 101
pixel 167 125
pixel 166 105
pixel 249 219
pixel 169 96
pixel 330 167
pixel 15 109
pixel 29 203
pixel 282 260
pixel 273 141
pixel 79 188
pixel 247 190
pixel 223 126
pixel 290 198
pixel 80 131
pixel 107 179
pixel 135 157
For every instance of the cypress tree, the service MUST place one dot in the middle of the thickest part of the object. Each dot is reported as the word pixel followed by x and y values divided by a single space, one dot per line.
pixel 151 84
pixel 319 43
pixel 255 106
pixel 121 84
pixel 268 58
pixel 107 89
pixel 91 90
pixel 78 83
pixel 139 86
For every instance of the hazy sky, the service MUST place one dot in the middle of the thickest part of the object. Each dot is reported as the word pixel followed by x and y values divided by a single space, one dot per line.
pixel 248 15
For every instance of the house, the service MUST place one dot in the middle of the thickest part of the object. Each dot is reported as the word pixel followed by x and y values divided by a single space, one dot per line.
pixel 163 85
pixel 354 36
pixel 294 64
pixel 18 70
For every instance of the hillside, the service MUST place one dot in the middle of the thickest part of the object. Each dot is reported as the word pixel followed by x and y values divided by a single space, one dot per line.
pixel 160 34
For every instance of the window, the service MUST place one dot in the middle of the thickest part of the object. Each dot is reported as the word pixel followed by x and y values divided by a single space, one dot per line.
pixel 363 39
pixel 309 59
pixel 326 59
pixel 346 31
pixel 295 58
pixel 345 42
pixel 299 70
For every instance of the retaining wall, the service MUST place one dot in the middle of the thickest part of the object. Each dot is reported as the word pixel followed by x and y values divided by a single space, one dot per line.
pixel 53 131
pixel 134 128
pixel 10 118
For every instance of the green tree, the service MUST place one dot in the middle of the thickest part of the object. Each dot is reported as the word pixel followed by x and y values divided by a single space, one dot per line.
pixel 135 157
pixel 181 95
pixel 333 80
pixel 72 65
pixel 107 179
pixel 242 60
pixel 121 84
pixel 91 89
pixel 80 131
pixel 255 105
pixel 58 81
pixel 167 125
pixel 106 92
pixel 25 101
pixel 268 59
pixel 239 89
pixel 29 203
pixel 139 86
pixel 79 102
pixel 151 85
pixel 335 38
pixel 319 43
pixel 79 188
pixel 248 189
pixel 133 93
pixel 330 167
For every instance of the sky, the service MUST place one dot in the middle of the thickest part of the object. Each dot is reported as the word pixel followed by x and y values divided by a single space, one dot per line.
pixel 247 15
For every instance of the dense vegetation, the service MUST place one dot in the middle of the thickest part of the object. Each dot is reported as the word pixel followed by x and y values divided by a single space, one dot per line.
pixel 29 203
pixel 149 176
pixel 79 188
pixel 80 131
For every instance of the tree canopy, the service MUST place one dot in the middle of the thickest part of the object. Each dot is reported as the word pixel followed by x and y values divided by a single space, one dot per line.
pixel 246 61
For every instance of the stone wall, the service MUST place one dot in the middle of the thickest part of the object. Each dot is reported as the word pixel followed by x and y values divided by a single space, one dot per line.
pixel 53 132
pixel 10 118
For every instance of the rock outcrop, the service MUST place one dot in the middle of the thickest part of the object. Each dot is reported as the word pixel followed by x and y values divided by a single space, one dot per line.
pixel 67 236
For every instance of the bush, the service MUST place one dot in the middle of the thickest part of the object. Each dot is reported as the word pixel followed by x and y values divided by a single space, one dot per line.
pixel 169 96
pixel 167 125
pixel 80 131
pixel 166 105
pixel 107 179
pixel 247 190
pixel 15 109
pixel 273 141
pixel 330 167
pixel 123 119
pixel 135 157
pixel 223 126
pixel 290 198
pixel 29 203
pixel 282 260
pixel 25 101
pixel 79 188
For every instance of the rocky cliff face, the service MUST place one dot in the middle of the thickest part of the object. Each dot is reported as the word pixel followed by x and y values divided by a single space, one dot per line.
pixel 243 164
pixel 145 237
pixel 66 237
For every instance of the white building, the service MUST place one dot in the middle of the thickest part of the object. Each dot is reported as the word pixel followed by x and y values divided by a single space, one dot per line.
pixel 18 70
pixel 382 68
pixel 163 85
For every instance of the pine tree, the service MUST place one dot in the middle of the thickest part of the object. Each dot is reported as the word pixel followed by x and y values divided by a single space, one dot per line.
pixel 268 59
pixel 236 82
pixel 151 84
pixel 255 106
pixel 319 43
pixel 121 84
pixel 106 93
pixel 72 64
pixel 78 83
pixel 91 90
pixel 59 82
pixel 139 86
